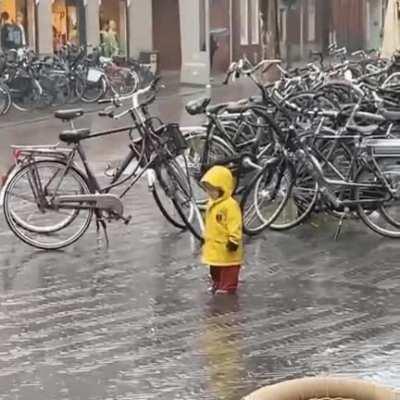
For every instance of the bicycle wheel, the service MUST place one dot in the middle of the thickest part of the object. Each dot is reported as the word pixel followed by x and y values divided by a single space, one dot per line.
pixel 124 82
pixel 62 93
pixel 26 95
pixel 218 150
pixel 5 99
pixel 167 207
pixel 176 186
pixel 382 214
pixel 266 197
pixel 304 196
pixel 34 218
pixel 90 92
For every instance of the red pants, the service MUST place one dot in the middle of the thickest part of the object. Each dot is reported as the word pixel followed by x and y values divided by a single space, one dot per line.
pixel 225 278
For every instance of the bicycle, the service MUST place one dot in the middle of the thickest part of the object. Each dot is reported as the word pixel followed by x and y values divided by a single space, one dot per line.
pixel 370 186
pixel 64 198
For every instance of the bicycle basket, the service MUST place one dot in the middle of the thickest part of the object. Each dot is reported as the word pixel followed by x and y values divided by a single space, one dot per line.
pixel 173 139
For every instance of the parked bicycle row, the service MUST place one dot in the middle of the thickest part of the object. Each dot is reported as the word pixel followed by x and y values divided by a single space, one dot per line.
pixel 316 141
pixel 323 138
pixel 28 81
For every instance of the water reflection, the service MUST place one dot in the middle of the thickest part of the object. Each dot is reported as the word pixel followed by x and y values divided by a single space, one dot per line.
pixel 221 340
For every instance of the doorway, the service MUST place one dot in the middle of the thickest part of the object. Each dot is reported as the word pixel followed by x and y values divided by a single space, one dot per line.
pixel 167 34
pixel 220 36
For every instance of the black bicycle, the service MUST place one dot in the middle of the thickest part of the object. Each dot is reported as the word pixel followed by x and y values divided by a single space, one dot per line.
pixel 49 203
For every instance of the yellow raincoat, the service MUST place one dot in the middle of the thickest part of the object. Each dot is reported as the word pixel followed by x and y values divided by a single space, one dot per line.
pixel 223 222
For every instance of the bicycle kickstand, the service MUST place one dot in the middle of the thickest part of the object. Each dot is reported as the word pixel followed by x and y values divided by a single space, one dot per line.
pixel 101 224
pixel 340 224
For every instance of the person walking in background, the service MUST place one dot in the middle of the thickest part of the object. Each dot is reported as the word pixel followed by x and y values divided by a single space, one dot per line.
pixel 223 247
pixel 214 46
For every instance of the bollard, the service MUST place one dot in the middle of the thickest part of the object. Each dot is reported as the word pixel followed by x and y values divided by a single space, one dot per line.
pixel 325 388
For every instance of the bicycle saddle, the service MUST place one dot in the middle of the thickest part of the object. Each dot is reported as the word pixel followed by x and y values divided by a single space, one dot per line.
pixel 68 115
pixel 74 136
pixel 390 115
pixel 216 108
pixel 198 106
pixel 238 107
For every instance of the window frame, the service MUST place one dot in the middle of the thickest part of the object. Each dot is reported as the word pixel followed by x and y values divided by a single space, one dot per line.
pixel 255 21
pixel 244 23
pixel 311 28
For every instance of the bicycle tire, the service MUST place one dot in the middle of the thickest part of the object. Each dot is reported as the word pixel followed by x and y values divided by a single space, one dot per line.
pixel 175 183
pixel 6 95
pixel 218 146
pixel 167 215
pixel 130 82
pixel 21 231
pixel 304 196
pixel 99 90
pixel 27 101
pixel 375 220
pixel 270 180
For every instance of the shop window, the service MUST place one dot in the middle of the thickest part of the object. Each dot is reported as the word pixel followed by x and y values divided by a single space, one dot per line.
pixel 17 24
pixel 66 23
pixel 113 28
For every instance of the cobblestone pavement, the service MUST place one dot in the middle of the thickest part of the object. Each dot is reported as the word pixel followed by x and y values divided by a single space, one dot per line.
pixel 136 321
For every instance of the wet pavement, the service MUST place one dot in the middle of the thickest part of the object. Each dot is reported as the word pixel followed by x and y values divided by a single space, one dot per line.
pixel 136 321
pixel 40 127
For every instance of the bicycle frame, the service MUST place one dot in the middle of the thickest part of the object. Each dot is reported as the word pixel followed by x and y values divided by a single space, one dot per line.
pixel 327 183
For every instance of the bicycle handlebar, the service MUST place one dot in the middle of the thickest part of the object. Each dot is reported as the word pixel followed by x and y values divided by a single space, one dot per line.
pixel 359 53
pixel 238 68
pixel 118 100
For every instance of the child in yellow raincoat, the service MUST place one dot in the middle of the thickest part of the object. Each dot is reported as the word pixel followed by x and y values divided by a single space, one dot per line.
pixel 223 247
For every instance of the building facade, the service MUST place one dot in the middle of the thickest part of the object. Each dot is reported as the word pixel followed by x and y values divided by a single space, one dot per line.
pixel 234 26
pixel 137 25
pixel 313 24
pixel 46 25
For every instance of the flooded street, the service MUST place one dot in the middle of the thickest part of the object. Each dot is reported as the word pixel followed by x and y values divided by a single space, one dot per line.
pixel 136 321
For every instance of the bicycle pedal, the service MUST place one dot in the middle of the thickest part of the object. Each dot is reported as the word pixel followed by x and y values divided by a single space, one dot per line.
pixel 340 224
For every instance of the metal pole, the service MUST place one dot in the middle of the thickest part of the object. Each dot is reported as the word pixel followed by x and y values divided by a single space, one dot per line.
pixel 302 30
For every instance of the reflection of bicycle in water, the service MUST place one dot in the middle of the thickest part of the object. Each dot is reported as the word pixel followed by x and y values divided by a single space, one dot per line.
pixel 49 202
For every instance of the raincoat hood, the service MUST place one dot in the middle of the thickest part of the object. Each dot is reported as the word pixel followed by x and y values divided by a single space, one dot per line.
pixel 221 178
